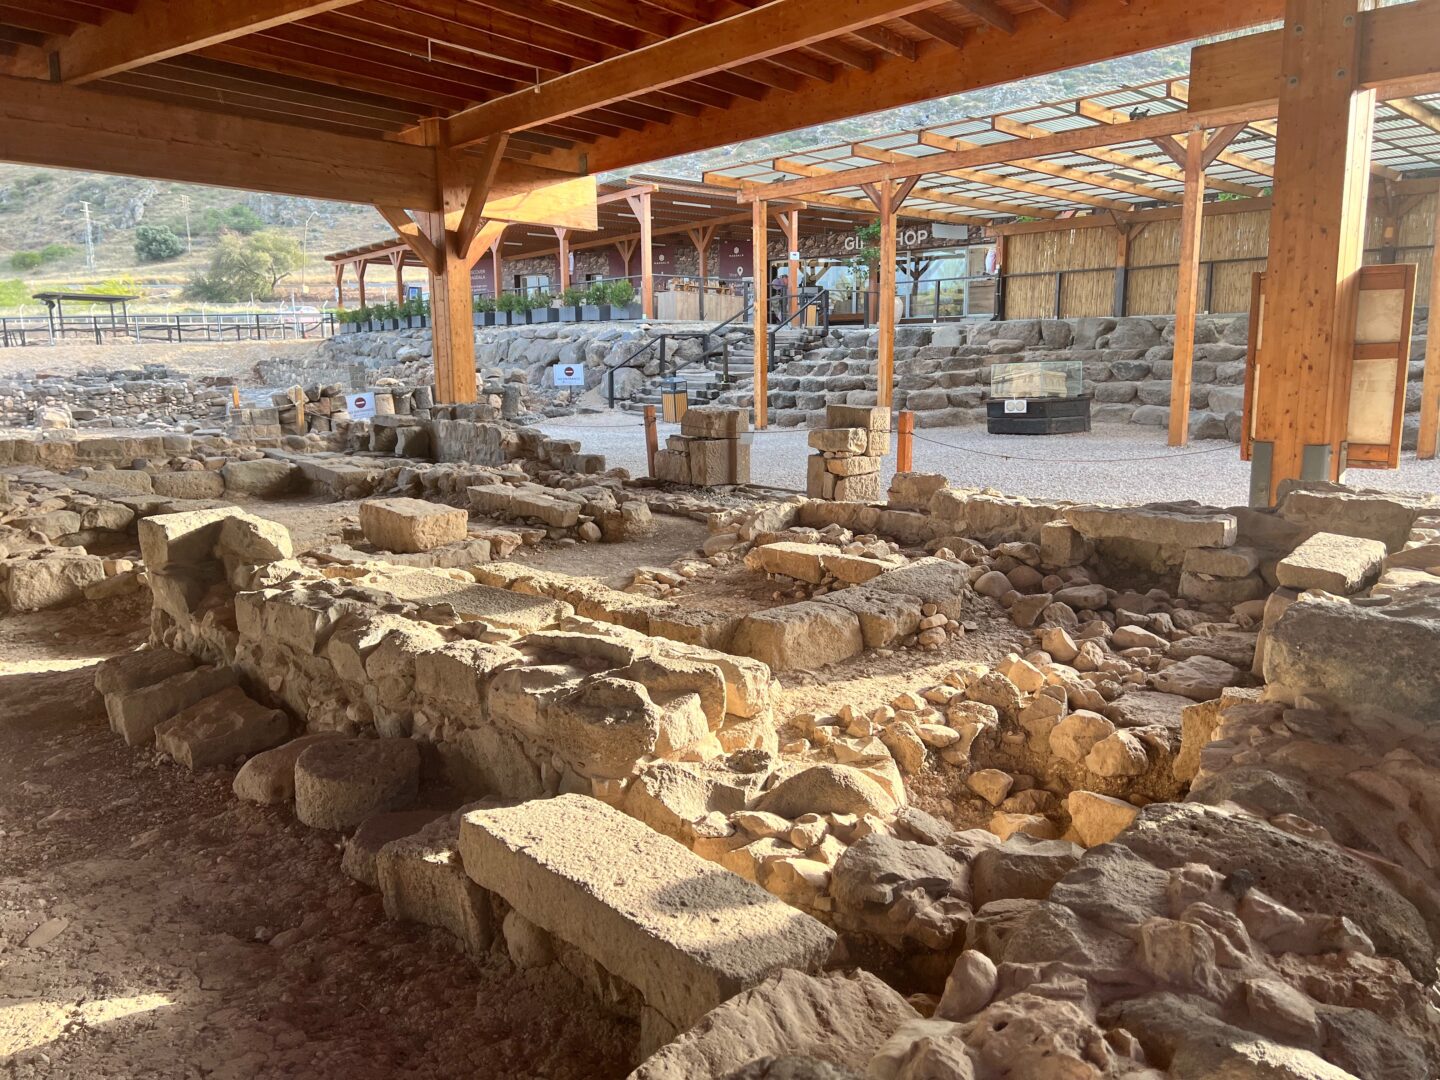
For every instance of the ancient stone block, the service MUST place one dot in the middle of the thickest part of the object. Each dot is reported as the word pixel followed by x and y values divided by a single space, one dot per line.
pixel 803 562
pixel 133 670
pixel 839 440
pixel 871 418
pixel 184 539
pixel 264 477
pixel 714 422
pixel 269 776
pixel 1155 524
pixel 807 634
pixel 885 617
pixel 134 714
pixel 411 525
pixel 218 729
pixel 684 932
pixel 421 879
pixel 1231 562
pixel 340 782
pixel 198 484
pixel 52 581
pixel 1337 564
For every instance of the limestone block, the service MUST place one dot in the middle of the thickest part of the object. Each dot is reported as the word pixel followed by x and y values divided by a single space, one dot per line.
pixel 460 670
pixel 499 607
pixel 1231 562
pixel 245 538
pixel 200 484
pixel 1198 678
pixel 851 466
pixel 134 714
pixel 184 539
pixel 422 879
pixel 52 581
pixel 885 617
pixel 839 440
pixel 861 487
pixel 871 418
pixel 931 581
pixel 806 634
pixel 362 847
pixel 803 562
pixel 714 422
pixel 1220 590
pixel 269 776
pixel 218 729
pixel 913 491
pixel 710 461
pixel 133 670
pixel 831 789
pixel 1337 564
pixel 1061 544
pixel 672 466
pixel 411 525
pixel 340 782
pixel 687 934
pixel 265 477
pixel 557 513
pixel 1098 819
pixel 1156 525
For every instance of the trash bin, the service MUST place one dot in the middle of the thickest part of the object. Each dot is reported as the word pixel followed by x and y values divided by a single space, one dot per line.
pixel 674 399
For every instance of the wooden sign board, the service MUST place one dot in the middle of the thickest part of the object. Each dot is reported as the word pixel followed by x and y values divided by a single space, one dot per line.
pixel 1379 365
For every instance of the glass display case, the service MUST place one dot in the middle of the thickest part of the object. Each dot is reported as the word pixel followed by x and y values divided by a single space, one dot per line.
pixel 1037 379
pixel 1038 397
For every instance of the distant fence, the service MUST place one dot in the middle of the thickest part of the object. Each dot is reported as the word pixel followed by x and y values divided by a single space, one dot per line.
pixel 175 329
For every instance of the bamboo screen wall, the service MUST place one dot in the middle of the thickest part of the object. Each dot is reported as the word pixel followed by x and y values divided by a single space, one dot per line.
pixel 1232 247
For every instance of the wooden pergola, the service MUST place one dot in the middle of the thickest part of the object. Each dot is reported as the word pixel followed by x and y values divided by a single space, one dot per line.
pixel 1109 160
pixel 457 118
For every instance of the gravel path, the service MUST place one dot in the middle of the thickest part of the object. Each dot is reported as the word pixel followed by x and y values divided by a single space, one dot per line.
pixel 1114 463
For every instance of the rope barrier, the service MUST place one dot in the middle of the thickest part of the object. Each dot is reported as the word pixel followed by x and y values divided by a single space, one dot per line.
pixel 1071 461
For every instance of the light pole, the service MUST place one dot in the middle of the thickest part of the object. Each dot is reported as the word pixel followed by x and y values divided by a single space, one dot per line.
pixel 305 249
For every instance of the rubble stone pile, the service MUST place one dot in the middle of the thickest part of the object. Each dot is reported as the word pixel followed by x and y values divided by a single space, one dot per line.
pixel 150 396
pixel 846 463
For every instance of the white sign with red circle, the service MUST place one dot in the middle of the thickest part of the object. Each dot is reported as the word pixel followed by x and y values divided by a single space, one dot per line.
pixel 569 374
pixel 360 406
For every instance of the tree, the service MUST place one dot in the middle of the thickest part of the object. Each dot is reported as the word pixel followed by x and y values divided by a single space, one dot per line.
pixel 242 269
pixel 238 218
pixel 157 243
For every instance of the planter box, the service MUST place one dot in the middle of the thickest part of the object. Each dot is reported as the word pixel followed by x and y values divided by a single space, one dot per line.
pixel 545 315
pixel 484 318
pixel 595 312
pixel 566 314
pixel 631 311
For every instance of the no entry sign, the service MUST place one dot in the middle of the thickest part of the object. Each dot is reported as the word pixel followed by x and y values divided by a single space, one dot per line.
pixel 360 406
pixel 569 374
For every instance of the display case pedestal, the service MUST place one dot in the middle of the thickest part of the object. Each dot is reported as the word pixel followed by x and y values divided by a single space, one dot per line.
pixel 1041 416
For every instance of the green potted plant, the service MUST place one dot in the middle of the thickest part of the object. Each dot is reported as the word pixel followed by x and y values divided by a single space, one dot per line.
pixel 512 310
pixel 540 307
pixel 484 307
pixel 570 301
pixel 622 301
pixel 596 302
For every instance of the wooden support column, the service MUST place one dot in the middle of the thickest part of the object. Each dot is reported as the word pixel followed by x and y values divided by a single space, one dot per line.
pixel 1317 232
pixel 340 286
pixel 497 266
pixel 563 235
pixel 759 226
pixel 640 207
pixel 887 195
pixel 397 261
pixel 1430 387
pixel 790 226
pixel 701 237
pixel 1187 288
pixel 1123 233
pixel 360 268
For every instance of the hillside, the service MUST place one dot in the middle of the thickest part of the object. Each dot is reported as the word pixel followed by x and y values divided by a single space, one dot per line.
pixel 44 207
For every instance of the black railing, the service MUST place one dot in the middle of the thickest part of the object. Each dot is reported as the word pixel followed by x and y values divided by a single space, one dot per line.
pixel 18 330
pixel 819 302
pixel 662 340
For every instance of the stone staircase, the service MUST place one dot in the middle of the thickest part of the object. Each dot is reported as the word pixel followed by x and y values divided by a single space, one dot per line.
pixel 705 381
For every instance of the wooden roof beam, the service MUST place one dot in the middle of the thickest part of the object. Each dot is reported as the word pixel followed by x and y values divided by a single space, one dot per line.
pixel 753 35
pixel 989 13
pixel 842 202
pixel 158 30
pixel 1062 142
pixel 874 153
pixel 1095 111
pixel 1015 183
pixel 930 22
pixel 1417 111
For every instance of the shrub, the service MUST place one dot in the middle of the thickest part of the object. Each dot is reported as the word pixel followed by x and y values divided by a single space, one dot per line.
pixel 157 243
pixel 25 260
pixel 622 293
pixel 238 219
pixel 241 269
pixel 484 304
pixel 510 303
pixel 55 252
pixel 572 297
pixel 597 294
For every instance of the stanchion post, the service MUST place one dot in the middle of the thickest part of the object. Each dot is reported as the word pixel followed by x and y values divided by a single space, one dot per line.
pixel 905 448
pixel 652 439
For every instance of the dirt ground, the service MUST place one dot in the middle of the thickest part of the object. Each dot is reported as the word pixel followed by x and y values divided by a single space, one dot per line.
pixel 192 935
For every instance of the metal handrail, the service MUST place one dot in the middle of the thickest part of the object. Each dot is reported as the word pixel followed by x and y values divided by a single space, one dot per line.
pixel 821 301
pixel 662 339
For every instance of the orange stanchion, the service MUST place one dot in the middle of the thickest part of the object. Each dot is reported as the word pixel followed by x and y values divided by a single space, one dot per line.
pixel 652 438
pixel 905 448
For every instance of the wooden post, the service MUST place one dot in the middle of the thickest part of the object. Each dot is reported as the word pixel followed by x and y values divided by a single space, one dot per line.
pixel 905 446
pixel 1187 288
pixel 360 268
pixel 1317 229
pixel 887 196
pixel 397 261
pixel 1425 447
pixel 340 286
pixel 759 218
pixel 640 207
pixel 1122 268
pixel 497 264
pixel 790 226
pixel 1000 277
pixel 652 439
pixel 701 238
pixel 452 330
pixel 563 235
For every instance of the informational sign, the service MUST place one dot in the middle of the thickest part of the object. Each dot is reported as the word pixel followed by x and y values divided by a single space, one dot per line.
pixel 1016 405
pixel 569 374
pixel 360 406
pixel 794 254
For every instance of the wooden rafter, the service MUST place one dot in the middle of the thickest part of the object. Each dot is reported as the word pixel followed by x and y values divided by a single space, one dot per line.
pixel 754 35
pixel 1100 113
pixel 842 202
pixel 408 229
pixel 994 206
pixel 944 142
